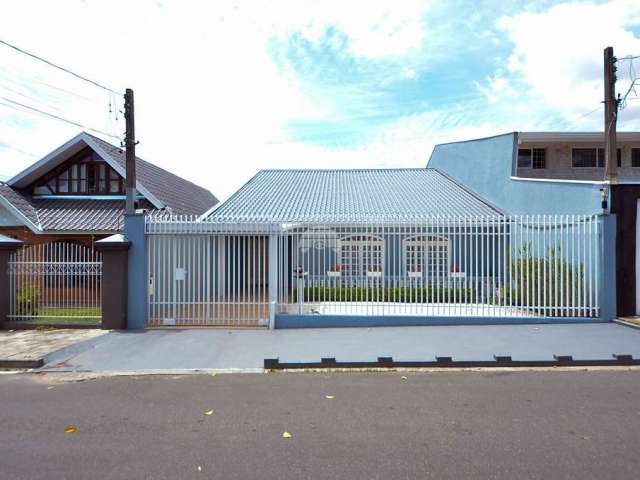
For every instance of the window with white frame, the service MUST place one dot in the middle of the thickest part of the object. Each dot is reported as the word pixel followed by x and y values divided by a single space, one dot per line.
pixel 426 255
pixel 532 158
pixel 361 254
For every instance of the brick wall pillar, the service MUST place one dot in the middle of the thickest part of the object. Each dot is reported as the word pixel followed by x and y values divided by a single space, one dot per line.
pixel 7 247
pixel 115 258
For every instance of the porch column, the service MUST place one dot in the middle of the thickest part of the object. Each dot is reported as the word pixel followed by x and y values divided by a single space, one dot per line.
pixel 607 266
pixel 7 247
pixel 115 250
pixel 137 271
pixel 273 279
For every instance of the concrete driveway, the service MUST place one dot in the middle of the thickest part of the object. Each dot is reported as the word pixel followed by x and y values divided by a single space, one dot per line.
pixel 189 349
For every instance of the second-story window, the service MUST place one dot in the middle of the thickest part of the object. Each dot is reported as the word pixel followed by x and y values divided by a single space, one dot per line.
pixel 635 157
pixel 532 158
pixel 591 157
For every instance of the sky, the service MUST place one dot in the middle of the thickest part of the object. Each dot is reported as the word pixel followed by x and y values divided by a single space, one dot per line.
pixel 226 88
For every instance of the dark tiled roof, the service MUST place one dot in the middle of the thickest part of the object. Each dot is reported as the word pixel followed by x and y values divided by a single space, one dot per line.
pixel 82 215
pixel 20 201
pixel 178 194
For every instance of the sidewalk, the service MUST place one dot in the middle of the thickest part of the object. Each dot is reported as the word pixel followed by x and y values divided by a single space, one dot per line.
pixel 28 348
pixel 172 350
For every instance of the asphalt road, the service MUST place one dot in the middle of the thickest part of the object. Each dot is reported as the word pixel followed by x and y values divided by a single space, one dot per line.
pixel 511 425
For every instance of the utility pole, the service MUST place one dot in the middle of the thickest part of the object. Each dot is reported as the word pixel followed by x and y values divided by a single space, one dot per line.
pixel 130 152
pixel 610 116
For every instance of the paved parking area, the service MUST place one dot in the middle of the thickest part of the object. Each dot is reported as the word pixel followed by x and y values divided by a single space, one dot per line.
pixel 28 346
pixel 188 349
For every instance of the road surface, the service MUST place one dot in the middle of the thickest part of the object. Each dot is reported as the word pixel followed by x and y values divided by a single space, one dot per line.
pixel 503 425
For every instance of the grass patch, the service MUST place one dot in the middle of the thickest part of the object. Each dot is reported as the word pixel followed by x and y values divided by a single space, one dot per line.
pixel 398 294
pixel 62 315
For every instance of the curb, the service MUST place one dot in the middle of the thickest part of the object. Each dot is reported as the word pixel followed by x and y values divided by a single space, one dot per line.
pixel 8 363
pixel 626 324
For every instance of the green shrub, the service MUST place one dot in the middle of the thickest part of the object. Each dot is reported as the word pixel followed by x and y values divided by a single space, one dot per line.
pixel 388 294
pixel 28 300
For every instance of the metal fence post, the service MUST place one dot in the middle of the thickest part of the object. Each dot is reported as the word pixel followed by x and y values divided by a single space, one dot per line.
pixel 273 279
pixel 134 229
pixel 7 247
pixel 607 285
pixel 114 251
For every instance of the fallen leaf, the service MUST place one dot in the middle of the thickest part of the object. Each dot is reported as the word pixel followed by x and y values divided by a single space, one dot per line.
pixel 329 397
pixel 404 377
pixel 70 429
pixel 209 412
pixel 50 387
pixel 286 435
pixel 199 468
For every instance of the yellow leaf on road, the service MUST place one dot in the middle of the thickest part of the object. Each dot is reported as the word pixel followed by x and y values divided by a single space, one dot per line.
pixel 209 412
pixel 286 435
pixel 329 397
pixel 70 429
pixel 404 377
pixel 50 387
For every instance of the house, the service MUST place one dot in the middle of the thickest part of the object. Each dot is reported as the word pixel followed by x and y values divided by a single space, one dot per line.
pixel 76 194
pixel 363 247
pixel 551 173
pixel 59 207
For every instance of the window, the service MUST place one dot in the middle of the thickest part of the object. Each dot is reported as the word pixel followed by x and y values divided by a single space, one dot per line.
pixel 532 158
pixel 361 254
pixel 81 175
pixel 591 157
pixel 426 256
pixel 524 157
pixel 635 157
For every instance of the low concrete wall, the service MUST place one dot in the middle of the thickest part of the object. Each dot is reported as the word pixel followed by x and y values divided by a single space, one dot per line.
pixel 284 321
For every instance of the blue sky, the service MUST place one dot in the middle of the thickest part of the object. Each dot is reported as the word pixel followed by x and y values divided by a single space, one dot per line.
pixel 225 88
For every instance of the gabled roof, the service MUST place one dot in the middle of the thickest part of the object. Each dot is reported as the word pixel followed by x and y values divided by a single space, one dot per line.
pixel 389 195
pixel 163 189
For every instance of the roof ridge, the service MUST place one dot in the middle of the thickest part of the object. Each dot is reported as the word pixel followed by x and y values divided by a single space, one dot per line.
pixel 382 169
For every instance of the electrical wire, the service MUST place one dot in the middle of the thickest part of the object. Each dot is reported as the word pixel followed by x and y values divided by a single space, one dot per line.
pixel 13 104
pixel 63 69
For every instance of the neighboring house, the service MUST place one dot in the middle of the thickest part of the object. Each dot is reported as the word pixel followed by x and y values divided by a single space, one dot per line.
pixel 77 193
pixel 534 173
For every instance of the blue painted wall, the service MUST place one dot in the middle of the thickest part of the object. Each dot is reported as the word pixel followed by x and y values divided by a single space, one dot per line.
pixel 485 167
pixel 137 274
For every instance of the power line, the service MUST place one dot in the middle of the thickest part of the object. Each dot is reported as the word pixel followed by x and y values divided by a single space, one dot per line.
pixel 66 70
pixel 56 117
pixel 5 146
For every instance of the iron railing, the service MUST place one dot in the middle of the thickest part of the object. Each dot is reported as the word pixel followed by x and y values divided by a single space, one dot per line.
pixel 209 273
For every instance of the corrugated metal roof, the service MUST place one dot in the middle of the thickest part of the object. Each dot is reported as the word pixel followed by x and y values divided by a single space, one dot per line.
pixel 349 195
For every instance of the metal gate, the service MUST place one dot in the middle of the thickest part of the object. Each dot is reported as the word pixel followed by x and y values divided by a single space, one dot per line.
pixel 208 273
pixel 58 282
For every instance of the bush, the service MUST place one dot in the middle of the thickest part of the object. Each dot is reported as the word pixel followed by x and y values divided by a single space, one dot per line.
pixel 28 300
pixel 390 294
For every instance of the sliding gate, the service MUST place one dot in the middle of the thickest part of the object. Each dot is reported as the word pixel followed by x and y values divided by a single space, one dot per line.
pixel 206 273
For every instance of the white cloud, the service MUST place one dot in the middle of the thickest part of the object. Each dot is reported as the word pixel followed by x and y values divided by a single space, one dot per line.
pixel 558 53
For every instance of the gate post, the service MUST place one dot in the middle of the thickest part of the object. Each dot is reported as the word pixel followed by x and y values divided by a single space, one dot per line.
pixel 7 247
pixel 607 264
pixel 114 251
pixel 273 279
pixel 138 292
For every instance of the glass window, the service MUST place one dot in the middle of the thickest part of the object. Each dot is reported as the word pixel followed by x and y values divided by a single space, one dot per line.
pixel 361 255
pixel 427 256
pixel 539 158
pixel 114 181
pixel 635 157
pixel 584 157
pixel 63 182
pixel 102 178
pixel 524 157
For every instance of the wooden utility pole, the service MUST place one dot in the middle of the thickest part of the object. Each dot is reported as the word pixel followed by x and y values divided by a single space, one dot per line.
pixel 610 116
pixel 130 151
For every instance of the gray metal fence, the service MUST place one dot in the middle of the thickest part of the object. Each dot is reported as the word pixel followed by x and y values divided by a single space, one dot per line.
pixel 206 273
pixel 58 282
